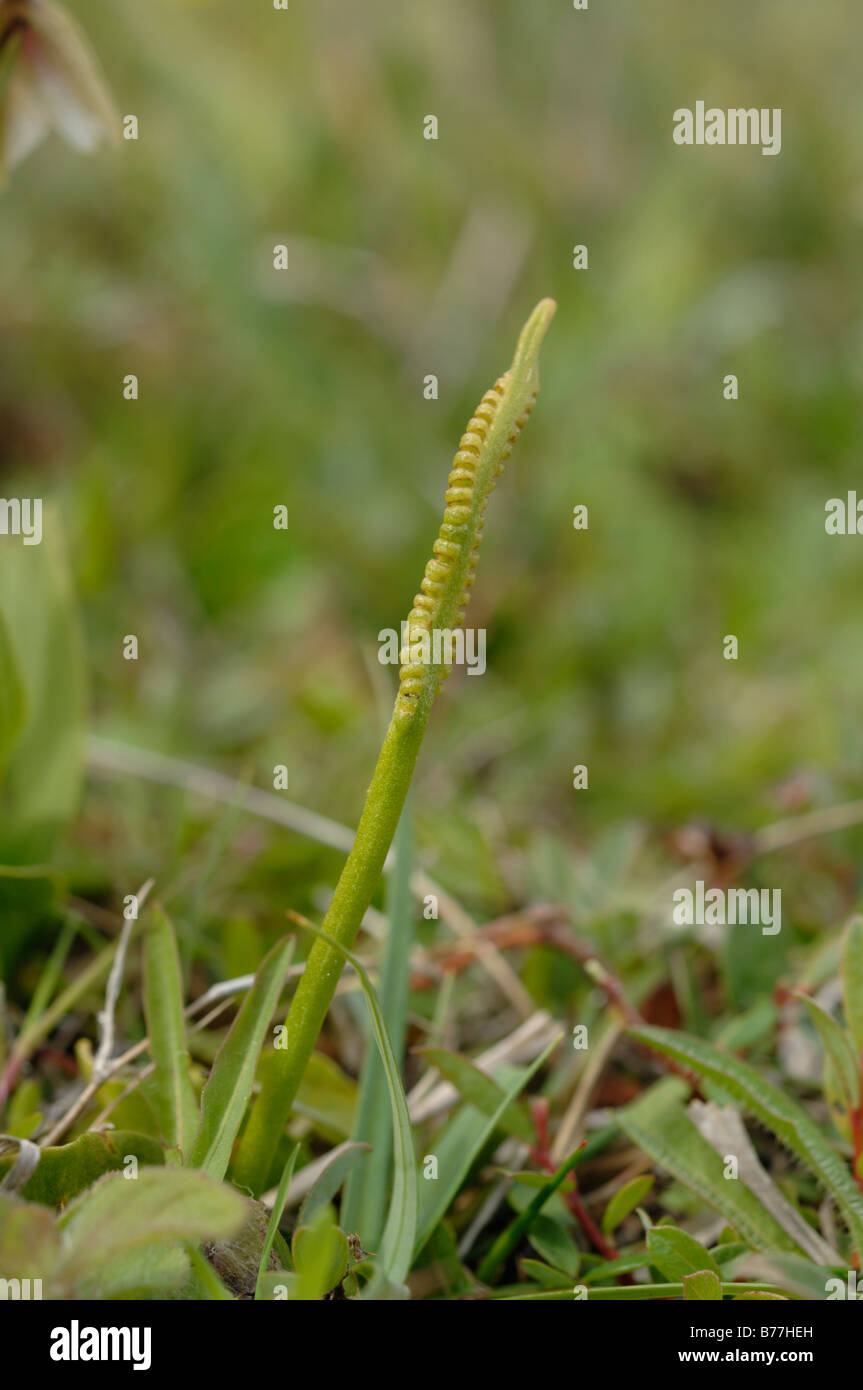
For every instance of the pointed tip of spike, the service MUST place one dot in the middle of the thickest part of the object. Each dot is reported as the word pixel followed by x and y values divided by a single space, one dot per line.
pixel 531 338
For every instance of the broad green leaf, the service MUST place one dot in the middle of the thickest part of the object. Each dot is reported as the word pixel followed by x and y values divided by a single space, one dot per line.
pixel 226 1094
pixel 276 1216
pixel 397 1242
pixel 117 1217
pixel 321 1256
pixel 782 1115
pixel 837 1051
pixel 702 1287
pixel 479 1090
pixel 675 1253
pixel 171 1093
pixel 66 1169
pixel 660 1126
pixel 624 1201
pixel 852 983
pixel 29 1242
pixel 445 1189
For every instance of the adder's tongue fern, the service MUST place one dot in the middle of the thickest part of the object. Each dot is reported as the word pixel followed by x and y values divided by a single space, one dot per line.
pixel 439 606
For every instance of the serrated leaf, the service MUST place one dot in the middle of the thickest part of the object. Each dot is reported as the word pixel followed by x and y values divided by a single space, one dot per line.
pixel 675 1253
pixel 171 1093
pixel 479 1090
pixel 703 1287
pixel 782 1115
pixel 837 1050
pixel 852 982
pixel 226 1093
pixel 624 1201
pixel 660 1126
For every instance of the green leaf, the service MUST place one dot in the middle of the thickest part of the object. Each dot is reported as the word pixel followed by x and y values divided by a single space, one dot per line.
pixel 837 1050
pixel 226 1094
pixel 479 1089
pixel 660 1126
pixel 66 1169
pixel 675 1253
pixel 321 1256
pixel 555 1244
pixel 442 1192
pixel 29 1242
pixel 703 1287
pixel 545 1275
pixel 624 1201
pixel 275 1217
pixel 364 1203
pixel 171 1093
pixel 782 1115
pixel 117 1217
pixel 397 1243
pixel 852 983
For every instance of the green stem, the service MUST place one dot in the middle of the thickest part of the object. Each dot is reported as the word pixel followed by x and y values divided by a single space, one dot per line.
pixel 487 442
pixel 360 876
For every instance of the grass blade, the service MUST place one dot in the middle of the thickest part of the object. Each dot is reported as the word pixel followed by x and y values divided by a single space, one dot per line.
pixel 397 1243
pixel 275 1217
pixel 172 1094
pixel 364 1204
pixel 448 1186
pixel 226 1094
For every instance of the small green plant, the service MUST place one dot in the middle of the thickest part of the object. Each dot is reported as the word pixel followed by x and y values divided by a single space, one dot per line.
pixel 440 605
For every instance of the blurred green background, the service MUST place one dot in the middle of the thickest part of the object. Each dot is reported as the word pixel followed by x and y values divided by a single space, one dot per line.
pixel 304 387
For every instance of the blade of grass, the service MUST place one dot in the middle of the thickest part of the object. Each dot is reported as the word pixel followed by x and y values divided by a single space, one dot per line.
pixel 364 1204
pixel 226 1094
pixel 447 1188
pixel 172 1096
pixel 509 1238
pixel 275 1217
pixel 397 1243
